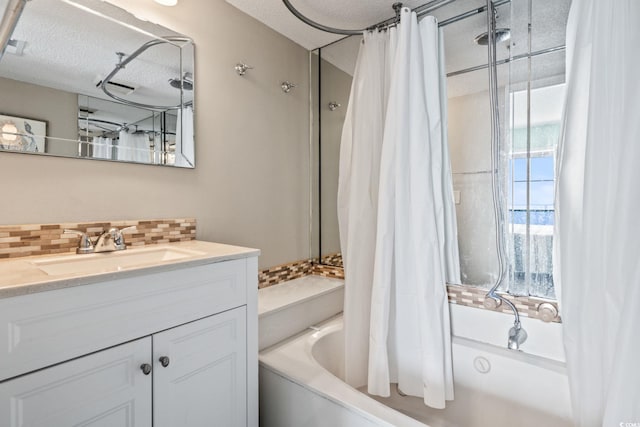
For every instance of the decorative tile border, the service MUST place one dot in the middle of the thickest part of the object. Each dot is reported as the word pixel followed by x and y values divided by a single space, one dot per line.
pixel 472 296
pixel 328 271
pixel 46 239
pixel 332 260
pixel 282 273
pixel 293 270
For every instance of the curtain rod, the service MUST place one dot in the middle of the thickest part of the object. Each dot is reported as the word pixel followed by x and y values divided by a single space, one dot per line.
pixel 120 126
pixel 10 18
pixel 507 60
pixel 420 11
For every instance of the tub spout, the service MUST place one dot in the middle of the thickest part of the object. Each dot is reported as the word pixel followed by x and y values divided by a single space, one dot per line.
pixel 517 336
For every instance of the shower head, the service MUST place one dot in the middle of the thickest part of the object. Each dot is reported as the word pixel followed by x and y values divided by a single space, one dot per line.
pixel 501 34
pixel 186 83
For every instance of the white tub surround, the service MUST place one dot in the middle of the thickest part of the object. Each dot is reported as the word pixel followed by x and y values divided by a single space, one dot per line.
pixel 490 327
pixel 291 307
pixel 172 340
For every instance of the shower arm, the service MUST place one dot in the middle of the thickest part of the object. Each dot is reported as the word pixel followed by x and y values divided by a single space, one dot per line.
pixel 123 63
pixel 10 18
pixel 495 147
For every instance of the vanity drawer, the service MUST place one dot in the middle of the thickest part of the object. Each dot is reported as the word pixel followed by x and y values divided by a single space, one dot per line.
pixel 46 328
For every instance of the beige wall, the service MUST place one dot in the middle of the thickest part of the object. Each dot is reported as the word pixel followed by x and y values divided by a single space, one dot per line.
pixel 58 108
pixel 250 185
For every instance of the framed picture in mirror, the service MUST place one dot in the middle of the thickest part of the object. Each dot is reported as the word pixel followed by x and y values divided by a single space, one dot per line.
pixel 22 134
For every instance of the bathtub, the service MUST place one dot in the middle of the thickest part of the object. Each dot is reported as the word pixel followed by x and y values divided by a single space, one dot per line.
pixel 300 385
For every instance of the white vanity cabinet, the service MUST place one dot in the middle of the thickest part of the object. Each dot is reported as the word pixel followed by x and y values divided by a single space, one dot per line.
pixel 176 348
pixel 199 373
pixel 106 388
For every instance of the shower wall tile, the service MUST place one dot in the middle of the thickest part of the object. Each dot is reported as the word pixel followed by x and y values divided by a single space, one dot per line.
pixel 46 239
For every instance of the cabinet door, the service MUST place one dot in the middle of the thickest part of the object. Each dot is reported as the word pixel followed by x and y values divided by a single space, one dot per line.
pixel 106 389
pixel 204 380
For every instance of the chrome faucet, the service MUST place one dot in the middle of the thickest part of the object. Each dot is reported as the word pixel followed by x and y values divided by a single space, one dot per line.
pixel 85 245
pixel 109 241
pixel 517 336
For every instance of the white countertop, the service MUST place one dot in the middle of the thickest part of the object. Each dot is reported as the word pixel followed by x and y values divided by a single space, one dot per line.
pixel 20 276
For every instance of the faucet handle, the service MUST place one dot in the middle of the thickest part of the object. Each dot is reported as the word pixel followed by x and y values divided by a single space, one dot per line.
pixel 118 237
pixel 85 246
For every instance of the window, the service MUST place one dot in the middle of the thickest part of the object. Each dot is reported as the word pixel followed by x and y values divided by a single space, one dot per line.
pixel 530 189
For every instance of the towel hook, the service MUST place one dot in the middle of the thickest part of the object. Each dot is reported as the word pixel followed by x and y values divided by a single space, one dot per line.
pixel 287 86
pixel 241 68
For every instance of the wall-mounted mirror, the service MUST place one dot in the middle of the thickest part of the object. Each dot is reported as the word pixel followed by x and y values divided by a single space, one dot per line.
pixel 87 79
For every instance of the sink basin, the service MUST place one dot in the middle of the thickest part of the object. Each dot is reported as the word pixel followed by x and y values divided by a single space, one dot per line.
pixel 112 261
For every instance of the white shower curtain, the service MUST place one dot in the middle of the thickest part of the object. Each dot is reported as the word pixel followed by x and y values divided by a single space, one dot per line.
pixel 184 138
pixel 597 236
pixel 134 147
pixel 399 238
pixel 101 147
pixel 358 193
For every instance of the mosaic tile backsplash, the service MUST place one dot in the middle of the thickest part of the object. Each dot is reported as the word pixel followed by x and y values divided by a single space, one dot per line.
pixel 466 295
pixel 46 239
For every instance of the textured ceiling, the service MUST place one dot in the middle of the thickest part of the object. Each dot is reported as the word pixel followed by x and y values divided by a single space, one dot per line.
pixel 70 49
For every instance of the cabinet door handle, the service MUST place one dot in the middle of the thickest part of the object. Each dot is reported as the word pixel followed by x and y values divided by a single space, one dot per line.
pixel 164 361
pixel 146 368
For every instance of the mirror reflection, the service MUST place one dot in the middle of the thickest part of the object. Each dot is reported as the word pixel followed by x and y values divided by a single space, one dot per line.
pixel 87 79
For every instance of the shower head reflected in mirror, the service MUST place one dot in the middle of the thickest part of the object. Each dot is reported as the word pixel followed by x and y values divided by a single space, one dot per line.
pixel 186 83
pixel 502 35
